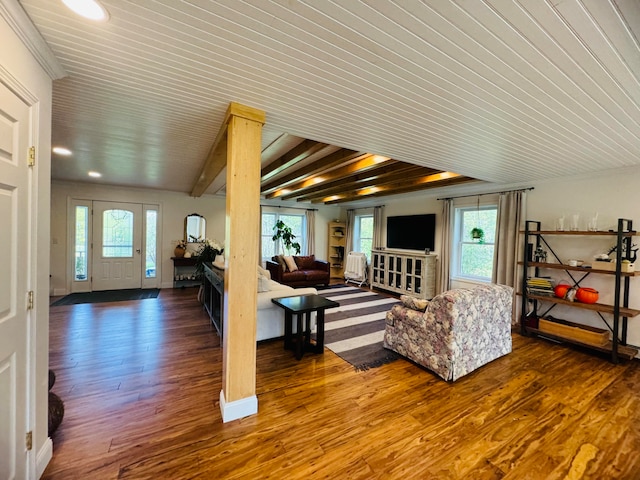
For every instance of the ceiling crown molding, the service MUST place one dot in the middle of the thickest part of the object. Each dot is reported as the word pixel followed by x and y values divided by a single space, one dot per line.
pixel 21 24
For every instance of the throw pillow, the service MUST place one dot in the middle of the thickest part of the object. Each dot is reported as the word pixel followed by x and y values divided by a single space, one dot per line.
pixel 263 284
pixel 281 262
pixel 305 262
pixel 291 263
pixel 414 303
pixel 264 271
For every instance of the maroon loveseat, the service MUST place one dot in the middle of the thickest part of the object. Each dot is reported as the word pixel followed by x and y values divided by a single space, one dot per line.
pixel 310 271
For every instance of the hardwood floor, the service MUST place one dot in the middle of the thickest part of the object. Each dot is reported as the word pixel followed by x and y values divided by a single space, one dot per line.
pixel 141 382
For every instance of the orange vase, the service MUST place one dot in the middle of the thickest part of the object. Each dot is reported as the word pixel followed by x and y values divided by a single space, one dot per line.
pixel 178 252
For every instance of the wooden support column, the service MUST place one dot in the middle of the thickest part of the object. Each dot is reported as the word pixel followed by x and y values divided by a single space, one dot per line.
pixel 243 146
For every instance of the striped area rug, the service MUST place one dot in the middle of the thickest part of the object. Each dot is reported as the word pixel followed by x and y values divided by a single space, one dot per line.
pixel 354 330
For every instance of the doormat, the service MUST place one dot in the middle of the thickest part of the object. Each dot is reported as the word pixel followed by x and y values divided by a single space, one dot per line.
pixel 107 296
pixel 354 330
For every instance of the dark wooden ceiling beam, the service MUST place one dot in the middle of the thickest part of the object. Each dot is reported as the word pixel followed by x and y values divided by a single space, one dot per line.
pixel 423 183
pixel 332 160
pixel 293 156
pixel 370 164
pixel 358 181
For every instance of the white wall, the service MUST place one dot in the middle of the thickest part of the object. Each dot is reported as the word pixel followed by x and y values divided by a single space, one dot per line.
pixel 174 207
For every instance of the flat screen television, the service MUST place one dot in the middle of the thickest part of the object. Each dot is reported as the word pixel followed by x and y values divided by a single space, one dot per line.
pixel 412 232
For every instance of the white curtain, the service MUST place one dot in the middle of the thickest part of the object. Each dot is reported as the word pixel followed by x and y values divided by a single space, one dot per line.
pixel 377 227
pixel 445 244
pixel 311 232
pixel 351 216
pixel 511 216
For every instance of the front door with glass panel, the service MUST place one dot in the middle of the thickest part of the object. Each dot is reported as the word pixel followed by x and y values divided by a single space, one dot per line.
pixel 117 246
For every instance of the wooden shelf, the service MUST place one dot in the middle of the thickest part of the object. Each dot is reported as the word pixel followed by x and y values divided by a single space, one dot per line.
pixel 597 307
pixel 624 351
pixel 337 251
pixel 609 233
pixel 560 266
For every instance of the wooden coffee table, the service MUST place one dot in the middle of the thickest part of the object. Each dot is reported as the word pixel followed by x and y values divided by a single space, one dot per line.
pixel 302 306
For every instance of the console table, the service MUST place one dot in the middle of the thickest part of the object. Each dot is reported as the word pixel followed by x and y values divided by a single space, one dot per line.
pixel 213 295
pixel 184 272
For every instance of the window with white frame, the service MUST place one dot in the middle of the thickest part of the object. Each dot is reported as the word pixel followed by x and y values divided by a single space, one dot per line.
pixel 363 235
pixel 472 258
pixel 297 223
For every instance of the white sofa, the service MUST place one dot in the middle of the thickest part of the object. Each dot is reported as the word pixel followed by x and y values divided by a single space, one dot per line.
pixel 270 319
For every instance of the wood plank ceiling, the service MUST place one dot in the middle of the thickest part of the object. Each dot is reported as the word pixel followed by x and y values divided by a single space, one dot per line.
pixel 503 91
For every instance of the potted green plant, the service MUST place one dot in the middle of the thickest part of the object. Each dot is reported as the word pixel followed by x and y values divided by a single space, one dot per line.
pixel 286 237
pixel 477 234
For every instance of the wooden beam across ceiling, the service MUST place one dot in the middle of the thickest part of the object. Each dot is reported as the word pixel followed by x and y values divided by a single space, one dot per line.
pixel 421 183
pixel 293 156
pixel 381 176
pixel 367 165
pixel 332 160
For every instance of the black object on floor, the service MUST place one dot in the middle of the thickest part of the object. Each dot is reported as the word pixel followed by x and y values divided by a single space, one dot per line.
pixel 107 296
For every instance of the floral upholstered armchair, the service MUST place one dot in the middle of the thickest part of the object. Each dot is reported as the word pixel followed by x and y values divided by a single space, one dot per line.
pixel 456 332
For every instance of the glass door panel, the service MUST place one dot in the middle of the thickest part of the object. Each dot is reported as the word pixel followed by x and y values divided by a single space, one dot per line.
pixel 81 244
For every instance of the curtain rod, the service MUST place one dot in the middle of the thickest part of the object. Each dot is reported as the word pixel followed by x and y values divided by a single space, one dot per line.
pixel 292 208
pixel 489 193
pixel 364 208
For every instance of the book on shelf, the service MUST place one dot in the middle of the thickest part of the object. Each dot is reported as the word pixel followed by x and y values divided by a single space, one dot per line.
pixel 540 286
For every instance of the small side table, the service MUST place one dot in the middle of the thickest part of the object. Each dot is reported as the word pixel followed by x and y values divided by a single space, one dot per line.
pixel 302 306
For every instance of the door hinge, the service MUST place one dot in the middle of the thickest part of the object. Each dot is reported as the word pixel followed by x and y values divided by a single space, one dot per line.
pixel 30 300
pixel 29 440
pixel 32 156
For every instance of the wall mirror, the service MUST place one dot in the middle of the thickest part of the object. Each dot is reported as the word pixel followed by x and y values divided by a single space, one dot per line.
pixel 195 228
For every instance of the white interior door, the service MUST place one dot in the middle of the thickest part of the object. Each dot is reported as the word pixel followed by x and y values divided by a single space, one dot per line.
pixel 117 246
pixel 15 214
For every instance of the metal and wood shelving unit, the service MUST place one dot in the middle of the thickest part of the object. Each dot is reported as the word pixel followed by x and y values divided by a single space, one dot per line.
pixel 620 312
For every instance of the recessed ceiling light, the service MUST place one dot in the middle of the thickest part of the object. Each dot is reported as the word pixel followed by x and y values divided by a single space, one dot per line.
pixel 91 9
pixel 62 151
pixel 95 174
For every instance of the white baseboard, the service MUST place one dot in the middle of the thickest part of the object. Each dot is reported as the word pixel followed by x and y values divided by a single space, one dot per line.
pixel 59 292
pixel 238 409
pixel 45 454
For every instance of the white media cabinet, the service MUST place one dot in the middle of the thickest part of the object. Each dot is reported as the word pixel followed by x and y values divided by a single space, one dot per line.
pixel 404 272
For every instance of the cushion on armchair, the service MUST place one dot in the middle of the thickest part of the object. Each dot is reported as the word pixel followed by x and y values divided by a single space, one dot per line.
pixel 291 263
pixel 414 303
pixel 306 262
pixel 280 261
